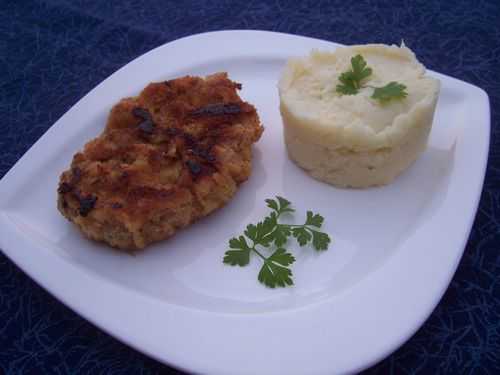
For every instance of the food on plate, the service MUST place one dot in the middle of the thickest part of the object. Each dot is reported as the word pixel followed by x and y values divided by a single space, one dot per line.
pixel 166 158
pixel 269 234
pixel 358 116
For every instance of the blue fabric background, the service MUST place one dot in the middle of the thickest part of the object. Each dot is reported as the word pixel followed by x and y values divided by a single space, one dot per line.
pixel 52 52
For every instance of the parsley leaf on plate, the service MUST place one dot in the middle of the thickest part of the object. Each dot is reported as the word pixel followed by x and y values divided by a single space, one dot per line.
pixel 320 240
pixel 240 253
pixel 302 235
pixel 314 220
pixel 280 205
pixel 268 234
pixel 275 271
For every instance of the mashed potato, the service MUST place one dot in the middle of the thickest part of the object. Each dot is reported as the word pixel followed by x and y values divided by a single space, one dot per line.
pixel 354 140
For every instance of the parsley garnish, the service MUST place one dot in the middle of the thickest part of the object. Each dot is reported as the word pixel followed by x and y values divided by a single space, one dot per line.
pixel 351 82
pixel 269 234
pixel 392 90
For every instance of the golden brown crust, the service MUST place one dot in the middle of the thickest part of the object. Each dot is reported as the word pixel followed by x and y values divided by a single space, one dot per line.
pixel 166 158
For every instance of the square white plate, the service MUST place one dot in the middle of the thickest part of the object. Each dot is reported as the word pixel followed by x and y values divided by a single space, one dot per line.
pixel 394 249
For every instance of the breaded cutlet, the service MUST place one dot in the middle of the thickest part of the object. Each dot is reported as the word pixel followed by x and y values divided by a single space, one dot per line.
pixel 166 158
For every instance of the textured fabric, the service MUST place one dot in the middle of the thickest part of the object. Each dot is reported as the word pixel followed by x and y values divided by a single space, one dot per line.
pixel 52 52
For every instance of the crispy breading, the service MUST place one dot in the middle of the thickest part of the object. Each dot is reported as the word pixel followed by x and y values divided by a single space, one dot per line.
pixel 166 158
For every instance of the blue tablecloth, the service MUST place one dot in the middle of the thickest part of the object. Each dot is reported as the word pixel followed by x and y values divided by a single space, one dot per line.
pixel 52 52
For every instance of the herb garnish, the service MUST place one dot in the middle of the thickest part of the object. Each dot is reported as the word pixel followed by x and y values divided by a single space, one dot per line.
pixel 351 82
pixel 392 90
pixel 269 233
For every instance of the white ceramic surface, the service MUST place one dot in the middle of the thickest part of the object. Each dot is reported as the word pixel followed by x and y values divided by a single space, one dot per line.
pixel 394 249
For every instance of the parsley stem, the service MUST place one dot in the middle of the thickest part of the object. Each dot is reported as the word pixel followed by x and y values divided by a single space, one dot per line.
pixel 295 225
pixel 258 253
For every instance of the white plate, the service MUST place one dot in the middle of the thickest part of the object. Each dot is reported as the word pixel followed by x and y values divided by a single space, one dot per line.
pixel 394 252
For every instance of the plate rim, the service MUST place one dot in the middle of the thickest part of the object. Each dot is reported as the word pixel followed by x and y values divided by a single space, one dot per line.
pixel 11 239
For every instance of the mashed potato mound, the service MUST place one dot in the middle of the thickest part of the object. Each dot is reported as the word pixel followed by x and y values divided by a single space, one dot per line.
pixel 354 140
